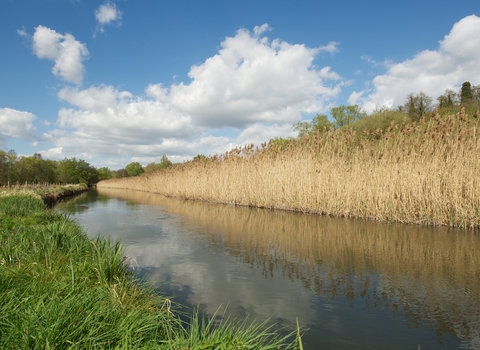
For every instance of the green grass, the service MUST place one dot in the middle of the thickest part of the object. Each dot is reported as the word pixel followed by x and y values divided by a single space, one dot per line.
pixel 61 290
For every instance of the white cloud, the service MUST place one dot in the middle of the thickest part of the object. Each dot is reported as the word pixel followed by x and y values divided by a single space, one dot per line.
pixel 64 50
pixel 355 97
pixel 52 153
pixel 252 80
pixel 16 124
pixel 22 32
pixel 114 116
pixel 259 30
pixel 259 133
pixel 252 85
pixel 332 47
pixel 432 71
pixel 107 14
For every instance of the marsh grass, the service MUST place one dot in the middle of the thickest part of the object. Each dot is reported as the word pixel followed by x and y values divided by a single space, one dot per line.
pixel 424 173
pixel 61 290
pixel 221 332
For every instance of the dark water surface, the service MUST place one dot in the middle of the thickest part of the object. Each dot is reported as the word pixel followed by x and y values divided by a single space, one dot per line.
pixel 354 284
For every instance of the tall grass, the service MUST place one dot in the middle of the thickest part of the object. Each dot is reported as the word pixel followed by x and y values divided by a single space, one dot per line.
pixel 424 173
pixel 61 290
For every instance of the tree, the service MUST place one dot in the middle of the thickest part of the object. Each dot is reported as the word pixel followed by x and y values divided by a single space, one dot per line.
pixel 117 174
pixel 278 142
pixel 466 96
pixel 150 167
pixel 104 173
pixel 164 162
pixel 344 115
pixel 11 166
pixel 134 169
pixel 476 94
pixel 417 105
pixel 71 170
pixel 319 123
pixel 448 99
pixel 200 157
pixel 3 168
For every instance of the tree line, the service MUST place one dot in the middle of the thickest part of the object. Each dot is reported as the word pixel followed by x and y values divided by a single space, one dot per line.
pixel 35 169
pixel 415 107
pixel 135 169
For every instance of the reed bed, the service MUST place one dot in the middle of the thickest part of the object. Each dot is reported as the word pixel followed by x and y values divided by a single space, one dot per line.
pixel 424 173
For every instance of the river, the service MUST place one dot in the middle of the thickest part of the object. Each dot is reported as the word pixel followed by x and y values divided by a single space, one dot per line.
pixel 354 284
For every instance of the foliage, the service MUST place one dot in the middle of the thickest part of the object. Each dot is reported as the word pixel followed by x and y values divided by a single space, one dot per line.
pixel 417 105
pixel 118 174
pixel 164 163
pixel 344 115
pixel 36 169
pixel 104 173
pixel 469 95
pixel 8 171
pixel 448 99
pixel 380 119
pixel 319 124
pixel 466 95
pixel 280 142
pixel 134 169
pixel 3 167
pixel 71 170
pixel 200 157
pixel 226 334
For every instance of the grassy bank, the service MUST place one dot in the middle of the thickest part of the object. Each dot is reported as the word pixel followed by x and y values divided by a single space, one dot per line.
pixel 50 194
pixel 60 290
pixel 423 173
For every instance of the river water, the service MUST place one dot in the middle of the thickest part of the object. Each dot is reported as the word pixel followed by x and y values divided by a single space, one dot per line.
pixel 353 284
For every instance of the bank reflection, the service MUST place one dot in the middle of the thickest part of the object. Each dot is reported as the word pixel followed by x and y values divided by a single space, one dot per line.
pixel 433 275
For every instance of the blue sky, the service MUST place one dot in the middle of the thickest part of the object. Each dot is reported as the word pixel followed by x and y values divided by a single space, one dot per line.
pixel 113 82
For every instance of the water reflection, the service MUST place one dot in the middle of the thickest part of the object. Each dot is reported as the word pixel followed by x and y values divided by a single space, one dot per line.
pixel 349 281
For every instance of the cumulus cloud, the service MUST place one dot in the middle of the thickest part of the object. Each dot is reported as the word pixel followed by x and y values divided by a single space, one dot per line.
pixel 114 116
pixel 16 124
pixel 259 133
pixel 252 86
pixel 456 60
pixel 107 14
pixel 254 80
pixel 64 50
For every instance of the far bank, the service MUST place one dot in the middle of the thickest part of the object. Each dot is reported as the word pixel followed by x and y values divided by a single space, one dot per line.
pixel 425 173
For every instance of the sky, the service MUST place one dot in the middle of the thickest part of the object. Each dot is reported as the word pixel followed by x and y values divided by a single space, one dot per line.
pixel 115 82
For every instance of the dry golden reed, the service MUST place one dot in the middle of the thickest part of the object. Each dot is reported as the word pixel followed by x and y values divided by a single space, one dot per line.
pixel 424 173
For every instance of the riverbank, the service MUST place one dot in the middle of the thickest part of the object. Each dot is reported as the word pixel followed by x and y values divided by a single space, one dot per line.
pixel 425 173
pixel 60 289
pixel 50 194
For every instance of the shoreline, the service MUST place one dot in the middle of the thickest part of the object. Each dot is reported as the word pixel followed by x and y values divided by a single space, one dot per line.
pixel 61 289
pixel 424 173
